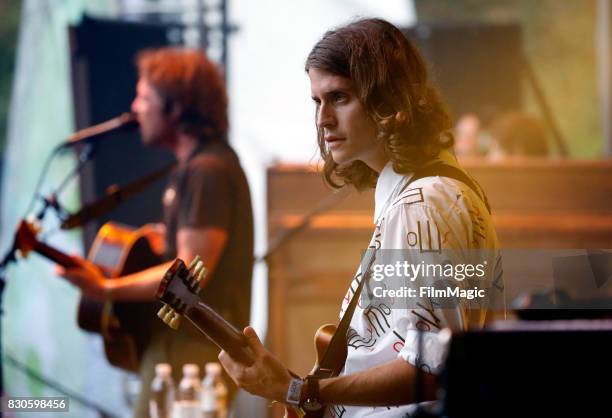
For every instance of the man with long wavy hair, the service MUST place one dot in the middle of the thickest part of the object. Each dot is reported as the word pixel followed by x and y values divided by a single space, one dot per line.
pixel 381 124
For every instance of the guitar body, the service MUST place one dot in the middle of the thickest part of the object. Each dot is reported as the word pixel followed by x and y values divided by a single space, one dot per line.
pixel 322 339
pixel 117 250
pixel 125 327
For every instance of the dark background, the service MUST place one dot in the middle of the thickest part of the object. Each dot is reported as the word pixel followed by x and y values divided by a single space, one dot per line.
pixel 104 77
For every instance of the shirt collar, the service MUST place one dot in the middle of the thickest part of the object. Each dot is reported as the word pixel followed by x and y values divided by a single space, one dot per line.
pixel 387 182
pixel 201 146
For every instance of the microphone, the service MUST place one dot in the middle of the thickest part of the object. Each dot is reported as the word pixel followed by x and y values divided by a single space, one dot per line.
pixel 124 122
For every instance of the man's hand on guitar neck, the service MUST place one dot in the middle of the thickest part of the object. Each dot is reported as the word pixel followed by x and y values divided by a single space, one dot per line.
pixel 266 377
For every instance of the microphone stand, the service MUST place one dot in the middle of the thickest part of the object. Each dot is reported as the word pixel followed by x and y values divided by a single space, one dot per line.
pixel 10 257
pixel 280 239
pixel 323 205
pixel 51 200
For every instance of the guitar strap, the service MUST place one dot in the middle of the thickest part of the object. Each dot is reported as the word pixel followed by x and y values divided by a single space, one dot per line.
pixel 338 341
pixel 114 196
pixel 445 170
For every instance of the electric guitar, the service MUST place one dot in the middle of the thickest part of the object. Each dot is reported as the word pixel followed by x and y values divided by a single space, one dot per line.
pixel 117 250
pixel 179 291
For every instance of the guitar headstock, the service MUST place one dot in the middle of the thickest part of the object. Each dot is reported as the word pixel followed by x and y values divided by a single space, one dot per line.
pixel 25 237
pixel 179 290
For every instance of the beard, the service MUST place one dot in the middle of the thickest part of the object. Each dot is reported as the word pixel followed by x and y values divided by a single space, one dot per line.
pixel 157 136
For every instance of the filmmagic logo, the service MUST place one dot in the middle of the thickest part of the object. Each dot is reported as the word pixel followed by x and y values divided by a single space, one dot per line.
pixel 411 271
pixel 430 292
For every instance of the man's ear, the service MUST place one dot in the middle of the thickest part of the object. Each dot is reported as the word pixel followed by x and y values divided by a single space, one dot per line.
pixel 174 112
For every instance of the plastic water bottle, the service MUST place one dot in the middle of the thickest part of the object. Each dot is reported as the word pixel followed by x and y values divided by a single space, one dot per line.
pixel 214 393
pixel 162 392
pixel 187 404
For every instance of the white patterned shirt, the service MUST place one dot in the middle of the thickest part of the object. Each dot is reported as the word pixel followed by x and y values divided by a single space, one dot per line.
pixel 435 218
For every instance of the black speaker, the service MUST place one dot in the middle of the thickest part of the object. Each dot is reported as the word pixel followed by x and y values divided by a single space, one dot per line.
pixel 476 67
pixel 104 77
pixel 530 369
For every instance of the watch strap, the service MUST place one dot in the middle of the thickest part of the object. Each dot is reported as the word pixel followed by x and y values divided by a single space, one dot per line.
pixel 312 402
pixel 312 387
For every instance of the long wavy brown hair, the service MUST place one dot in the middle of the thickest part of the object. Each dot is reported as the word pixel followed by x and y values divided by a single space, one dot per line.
pixel 390 78
pixel 186 77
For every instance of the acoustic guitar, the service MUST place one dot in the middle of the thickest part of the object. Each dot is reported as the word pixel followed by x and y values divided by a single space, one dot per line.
pixel 179 291
pixel 117 250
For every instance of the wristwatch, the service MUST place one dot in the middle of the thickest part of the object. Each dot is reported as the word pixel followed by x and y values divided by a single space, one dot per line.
pixel 294 391
pixel 312 403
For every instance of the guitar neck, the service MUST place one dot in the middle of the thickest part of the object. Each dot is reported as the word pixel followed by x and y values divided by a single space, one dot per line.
pixel 225 335
pixel 54 255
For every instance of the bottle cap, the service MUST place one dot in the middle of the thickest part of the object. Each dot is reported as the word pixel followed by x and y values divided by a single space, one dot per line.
pixel 191 370
pixel 213 368
pixel 163 369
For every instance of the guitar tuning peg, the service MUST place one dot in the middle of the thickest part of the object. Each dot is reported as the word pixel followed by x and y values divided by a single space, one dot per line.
pixel 202 274
pixel 172 319
pixel 195 273
pixel 198 268
pixel 175 322
pixel 163 311
pixel 195 261
pixel 34 224
pixel 169 315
